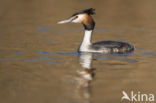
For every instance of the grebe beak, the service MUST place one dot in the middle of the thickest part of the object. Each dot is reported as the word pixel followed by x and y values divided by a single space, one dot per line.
pixel 66 21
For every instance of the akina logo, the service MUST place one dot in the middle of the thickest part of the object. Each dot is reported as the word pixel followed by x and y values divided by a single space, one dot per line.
pixel 137 96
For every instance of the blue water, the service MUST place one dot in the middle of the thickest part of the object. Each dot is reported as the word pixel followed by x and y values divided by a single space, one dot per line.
pixel 49 60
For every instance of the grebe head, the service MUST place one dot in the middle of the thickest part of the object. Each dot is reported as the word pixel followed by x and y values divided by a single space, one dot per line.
pixel 84 17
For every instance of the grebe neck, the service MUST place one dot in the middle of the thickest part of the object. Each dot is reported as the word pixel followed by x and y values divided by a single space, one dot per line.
pixel 86 40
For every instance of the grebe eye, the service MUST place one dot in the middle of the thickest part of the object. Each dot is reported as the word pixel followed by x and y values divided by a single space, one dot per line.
pixel 76 17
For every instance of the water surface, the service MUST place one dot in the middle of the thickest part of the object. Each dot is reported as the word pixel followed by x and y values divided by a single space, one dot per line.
pixel 39 62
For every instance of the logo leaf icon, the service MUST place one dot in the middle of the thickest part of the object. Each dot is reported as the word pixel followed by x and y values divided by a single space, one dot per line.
pixel 125 96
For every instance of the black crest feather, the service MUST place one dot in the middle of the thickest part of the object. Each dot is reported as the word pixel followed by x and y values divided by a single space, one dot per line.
pixel 89 11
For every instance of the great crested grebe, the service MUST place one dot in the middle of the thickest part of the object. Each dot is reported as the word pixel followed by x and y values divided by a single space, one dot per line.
pixel 84 17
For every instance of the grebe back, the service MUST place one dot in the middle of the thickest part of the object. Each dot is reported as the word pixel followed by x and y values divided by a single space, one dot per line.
pixel 84 17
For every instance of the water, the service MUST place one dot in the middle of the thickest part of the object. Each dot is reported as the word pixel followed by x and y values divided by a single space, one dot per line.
pixel 39 62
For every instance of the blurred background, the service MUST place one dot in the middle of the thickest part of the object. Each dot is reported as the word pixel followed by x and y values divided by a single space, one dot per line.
pixel 39 59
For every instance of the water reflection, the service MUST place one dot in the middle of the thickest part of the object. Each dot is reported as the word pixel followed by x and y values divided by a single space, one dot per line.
pixel 85 76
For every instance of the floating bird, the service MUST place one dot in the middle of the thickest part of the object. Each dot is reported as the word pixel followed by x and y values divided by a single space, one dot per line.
pixel 84 17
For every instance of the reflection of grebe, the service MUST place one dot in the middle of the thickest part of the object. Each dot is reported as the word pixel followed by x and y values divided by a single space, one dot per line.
pixel 85 18
pixel 86 75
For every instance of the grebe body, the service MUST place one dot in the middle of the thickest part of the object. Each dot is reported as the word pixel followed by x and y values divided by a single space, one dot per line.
pixel 84 17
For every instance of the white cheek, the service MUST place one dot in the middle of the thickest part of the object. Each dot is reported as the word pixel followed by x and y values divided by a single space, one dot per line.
pixel 78 20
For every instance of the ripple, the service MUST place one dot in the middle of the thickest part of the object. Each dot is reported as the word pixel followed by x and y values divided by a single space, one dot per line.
pixel 44 52
pixel 100 30
pixel 38 59
pixel 130 60
pixel 9 59
pixel 43 29
pixel 53 62
pixel 122 31
pixel 68 53
pixel 17 53
pixel 121 39
pixel 145 54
